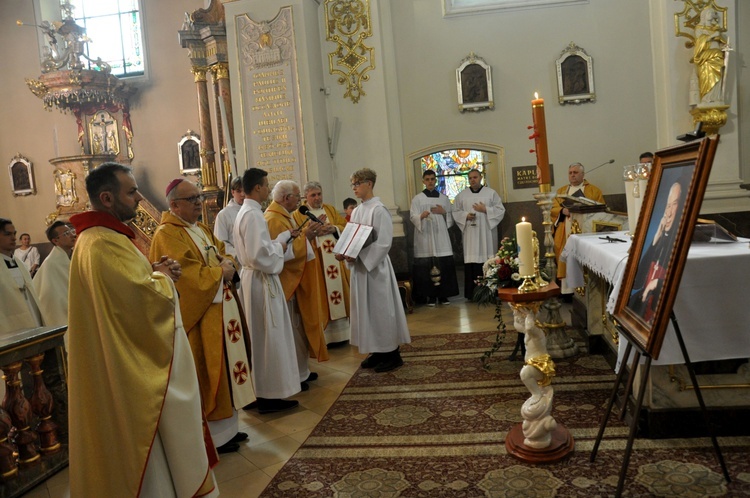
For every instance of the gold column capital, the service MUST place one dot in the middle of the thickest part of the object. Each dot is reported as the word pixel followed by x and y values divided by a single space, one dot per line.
pixel 199 73
pixel 220 70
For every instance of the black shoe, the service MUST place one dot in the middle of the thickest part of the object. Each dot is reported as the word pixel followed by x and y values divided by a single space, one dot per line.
pixel 339 344
pixel 229 447
pixel 276 405
pixel 372 361
pixel 431 302
pixel 239 437
pixel 391 361
pixel 444 300
pixel 304 386
pixel 251 406
pixel 313 376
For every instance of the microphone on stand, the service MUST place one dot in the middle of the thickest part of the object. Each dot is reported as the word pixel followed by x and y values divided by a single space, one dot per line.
pixel 602 164
pixel 306 211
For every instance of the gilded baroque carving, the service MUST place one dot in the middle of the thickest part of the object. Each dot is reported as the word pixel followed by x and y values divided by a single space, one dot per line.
pixel 348 25
pixel 145 223
pixel 706 27
pixel 65 187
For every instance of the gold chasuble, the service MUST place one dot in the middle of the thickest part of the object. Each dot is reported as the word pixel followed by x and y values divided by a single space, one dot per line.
pixel 303 278
pixel 335 273
pixel 134 409
pixel 204 318
pixel 590 192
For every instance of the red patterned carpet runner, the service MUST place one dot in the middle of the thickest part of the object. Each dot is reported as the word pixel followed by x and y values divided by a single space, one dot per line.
pixel 436 428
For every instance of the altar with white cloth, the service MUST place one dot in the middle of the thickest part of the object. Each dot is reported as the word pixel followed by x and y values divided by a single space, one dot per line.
pixel 711 309
pixel 711 305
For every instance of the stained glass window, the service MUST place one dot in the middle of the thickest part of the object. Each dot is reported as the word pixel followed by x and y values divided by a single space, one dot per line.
pixel 114 28
pixel 452 169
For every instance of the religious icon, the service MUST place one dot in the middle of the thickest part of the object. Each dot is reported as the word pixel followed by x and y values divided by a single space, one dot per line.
pixel 474 80
pixel 103 138
pixel 188 153
pixel 21 176
pixel 575 76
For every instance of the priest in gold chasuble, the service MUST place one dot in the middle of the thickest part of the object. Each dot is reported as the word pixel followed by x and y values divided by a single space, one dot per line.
pixel 135 420
pixel 301 278
pixel 210 311
pixel 335 273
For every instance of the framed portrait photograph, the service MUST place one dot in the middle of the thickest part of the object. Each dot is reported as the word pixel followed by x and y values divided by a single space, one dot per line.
pixel 474 84
pixel 21 176
pixel 665 228
pixel 189 153
pixel 575 76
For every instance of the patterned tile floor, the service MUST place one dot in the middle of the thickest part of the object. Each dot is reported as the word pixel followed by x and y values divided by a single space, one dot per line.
pixel 275 437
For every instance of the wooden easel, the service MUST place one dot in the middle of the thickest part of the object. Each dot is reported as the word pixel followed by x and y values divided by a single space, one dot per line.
pixel 639 402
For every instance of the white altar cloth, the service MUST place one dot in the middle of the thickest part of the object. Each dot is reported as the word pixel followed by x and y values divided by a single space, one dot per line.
pixel 711 305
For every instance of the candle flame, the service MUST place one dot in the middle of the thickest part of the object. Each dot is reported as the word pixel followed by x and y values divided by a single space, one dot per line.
pixel 523 218
pixel 536 95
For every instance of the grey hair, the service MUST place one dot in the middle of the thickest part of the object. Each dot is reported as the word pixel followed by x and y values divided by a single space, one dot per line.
pixel 583 170
pixel 282 189
pixel 311 186
pixel 172 195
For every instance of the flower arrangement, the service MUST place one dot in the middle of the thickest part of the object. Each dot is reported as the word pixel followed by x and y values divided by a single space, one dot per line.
pixel 499 271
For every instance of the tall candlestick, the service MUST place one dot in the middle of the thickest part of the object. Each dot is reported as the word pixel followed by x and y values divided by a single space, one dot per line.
pixel 525 248
pixel 54 141
pixel 540 140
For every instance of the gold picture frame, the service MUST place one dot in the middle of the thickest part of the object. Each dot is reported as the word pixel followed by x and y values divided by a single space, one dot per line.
pixel 679 176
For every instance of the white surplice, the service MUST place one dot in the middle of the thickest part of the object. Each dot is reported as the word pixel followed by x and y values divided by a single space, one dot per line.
pixel 275 373
pixel 19 304
pixel 378 322
pixel 480 236
pixel 431 233
pixel 51 284
pixel 224 226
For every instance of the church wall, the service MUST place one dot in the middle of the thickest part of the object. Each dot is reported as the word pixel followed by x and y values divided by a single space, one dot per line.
pixel 521 46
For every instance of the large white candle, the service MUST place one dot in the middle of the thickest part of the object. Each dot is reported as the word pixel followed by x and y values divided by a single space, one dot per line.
pixel 525 248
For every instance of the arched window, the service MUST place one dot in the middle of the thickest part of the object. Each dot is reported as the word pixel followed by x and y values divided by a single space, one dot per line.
pixel 115 30
pixel 452 168
pixel 452 162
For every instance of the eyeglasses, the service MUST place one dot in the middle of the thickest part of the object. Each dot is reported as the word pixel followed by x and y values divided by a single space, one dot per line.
pixel 192 199
pixel 70 231
pixel 357 184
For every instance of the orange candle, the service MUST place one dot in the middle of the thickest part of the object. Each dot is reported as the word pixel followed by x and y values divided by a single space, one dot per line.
pixel 540 140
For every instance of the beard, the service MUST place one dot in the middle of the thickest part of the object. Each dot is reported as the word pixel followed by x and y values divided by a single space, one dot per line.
pixel 123 212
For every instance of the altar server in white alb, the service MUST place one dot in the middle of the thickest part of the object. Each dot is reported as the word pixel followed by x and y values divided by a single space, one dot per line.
pixel 19 310
pixel 224 224
pixel 275 371
pixel 51 281
pixel 431 215
pixel 478 210
pixel 377 315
